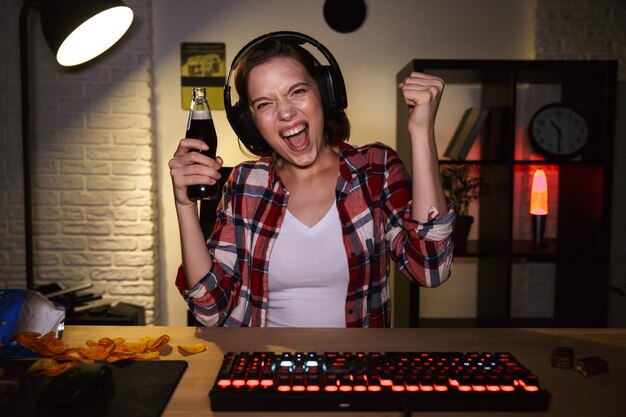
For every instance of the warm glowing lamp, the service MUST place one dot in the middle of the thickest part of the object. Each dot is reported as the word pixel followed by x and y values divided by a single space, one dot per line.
pixel 539 204
pixel 80 30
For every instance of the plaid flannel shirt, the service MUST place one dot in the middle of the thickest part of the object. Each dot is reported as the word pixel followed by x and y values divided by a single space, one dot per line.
pixel 373 197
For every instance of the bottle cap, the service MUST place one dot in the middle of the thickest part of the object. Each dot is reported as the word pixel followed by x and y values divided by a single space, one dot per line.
pixel 199 92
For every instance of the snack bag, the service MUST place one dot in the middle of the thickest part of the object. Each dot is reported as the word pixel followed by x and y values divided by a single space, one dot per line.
pixel 26 311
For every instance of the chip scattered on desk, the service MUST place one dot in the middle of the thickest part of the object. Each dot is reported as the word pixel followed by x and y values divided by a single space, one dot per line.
pixel 194 348
pixel 51 367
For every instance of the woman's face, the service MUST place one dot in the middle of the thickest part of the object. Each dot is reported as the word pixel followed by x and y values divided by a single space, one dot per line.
pixel 286 107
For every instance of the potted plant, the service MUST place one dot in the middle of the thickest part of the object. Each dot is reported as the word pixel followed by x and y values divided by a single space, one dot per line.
pixel 462 186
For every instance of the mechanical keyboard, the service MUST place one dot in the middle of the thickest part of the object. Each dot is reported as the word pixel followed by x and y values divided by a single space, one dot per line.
pixel 375 381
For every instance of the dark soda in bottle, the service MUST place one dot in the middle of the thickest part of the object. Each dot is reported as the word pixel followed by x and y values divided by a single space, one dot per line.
pixel 200 126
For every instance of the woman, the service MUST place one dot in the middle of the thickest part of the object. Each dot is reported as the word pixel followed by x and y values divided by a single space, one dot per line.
pixel 304 234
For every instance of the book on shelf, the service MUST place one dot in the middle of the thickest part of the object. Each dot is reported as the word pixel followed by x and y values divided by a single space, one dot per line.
pixel 497 126
pixel 473 133
pixel 466 132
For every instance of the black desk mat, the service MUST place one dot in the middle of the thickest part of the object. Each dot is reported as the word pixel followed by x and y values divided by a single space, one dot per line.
pixel 142 389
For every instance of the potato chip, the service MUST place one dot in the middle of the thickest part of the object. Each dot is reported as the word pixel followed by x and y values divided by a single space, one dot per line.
pixel 60 368
pixel 46 345
pixel 43 364
pixel 51 367
pixel 114 358
pixel 70 354
pixel 27 335
pixel 27 339
pixel 154 354
pixel 106 341
pixel 54 345
pixel 154 343
pixel 97 352
pixel 134 347
pixel 191 349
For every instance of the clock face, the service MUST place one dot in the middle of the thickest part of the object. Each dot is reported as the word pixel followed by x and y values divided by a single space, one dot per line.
pixel 558 131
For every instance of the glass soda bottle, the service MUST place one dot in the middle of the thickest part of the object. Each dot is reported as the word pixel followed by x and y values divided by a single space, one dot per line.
pixel 200 126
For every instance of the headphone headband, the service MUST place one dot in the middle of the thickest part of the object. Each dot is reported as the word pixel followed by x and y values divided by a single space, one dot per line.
pixel 330 82
pixel 297 37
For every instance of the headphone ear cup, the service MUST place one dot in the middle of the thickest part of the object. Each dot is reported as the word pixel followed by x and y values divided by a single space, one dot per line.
pixel 242 123
pixel 332 91
pixel 324 81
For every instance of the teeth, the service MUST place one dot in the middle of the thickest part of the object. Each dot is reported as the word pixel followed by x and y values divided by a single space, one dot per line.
pixel 292 132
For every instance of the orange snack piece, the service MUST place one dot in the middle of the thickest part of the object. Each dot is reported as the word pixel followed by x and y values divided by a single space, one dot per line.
pixel 46 345
pixel 191 349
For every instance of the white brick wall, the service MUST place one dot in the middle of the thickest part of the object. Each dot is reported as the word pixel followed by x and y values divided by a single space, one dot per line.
pixel 595 29
pixel 581 29
pixel 94 189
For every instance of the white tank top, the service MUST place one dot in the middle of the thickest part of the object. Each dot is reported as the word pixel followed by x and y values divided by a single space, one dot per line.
pixel 308 274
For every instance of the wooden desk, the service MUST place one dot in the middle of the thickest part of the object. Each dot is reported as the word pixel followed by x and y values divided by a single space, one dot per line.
pixel 572 393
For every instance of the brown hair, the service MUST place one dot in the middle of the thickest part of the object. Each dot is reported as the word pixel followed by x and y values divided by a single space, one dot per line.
pixel 337 128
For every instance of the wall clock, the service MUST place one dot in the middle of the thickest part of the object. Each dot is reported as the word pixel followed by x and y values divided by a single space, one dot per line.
pixel 558 131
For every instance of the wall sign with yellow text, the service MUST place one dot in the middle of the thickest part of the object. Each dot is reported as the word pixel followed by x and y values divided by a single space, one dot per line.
pixel 203 65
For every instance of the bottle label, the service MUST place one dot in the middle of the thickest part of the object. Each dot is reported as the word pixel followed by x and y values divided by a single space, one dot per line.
pixel 201 114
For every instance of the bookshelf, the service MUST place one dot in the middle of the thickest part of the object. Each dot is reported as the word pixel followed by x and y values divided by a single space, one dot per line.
pixel 569 272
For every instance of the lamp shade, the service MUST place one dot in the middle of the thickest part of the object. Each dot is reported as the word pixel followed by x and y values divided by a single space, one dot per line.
pixel 80 30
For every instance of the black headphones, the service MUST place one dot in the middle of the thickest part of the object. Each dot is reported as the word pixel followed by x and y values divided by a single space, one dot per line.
pixel 328 77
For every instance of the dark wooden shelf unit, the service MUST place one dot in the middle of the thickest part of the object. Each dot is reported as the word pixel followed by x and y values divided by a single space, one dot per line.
pixel 580 250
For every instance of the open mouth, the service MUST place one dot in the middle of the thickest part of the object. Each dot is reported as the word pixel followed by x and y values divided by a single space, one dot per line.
pixel 296 137
pixel 287 134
